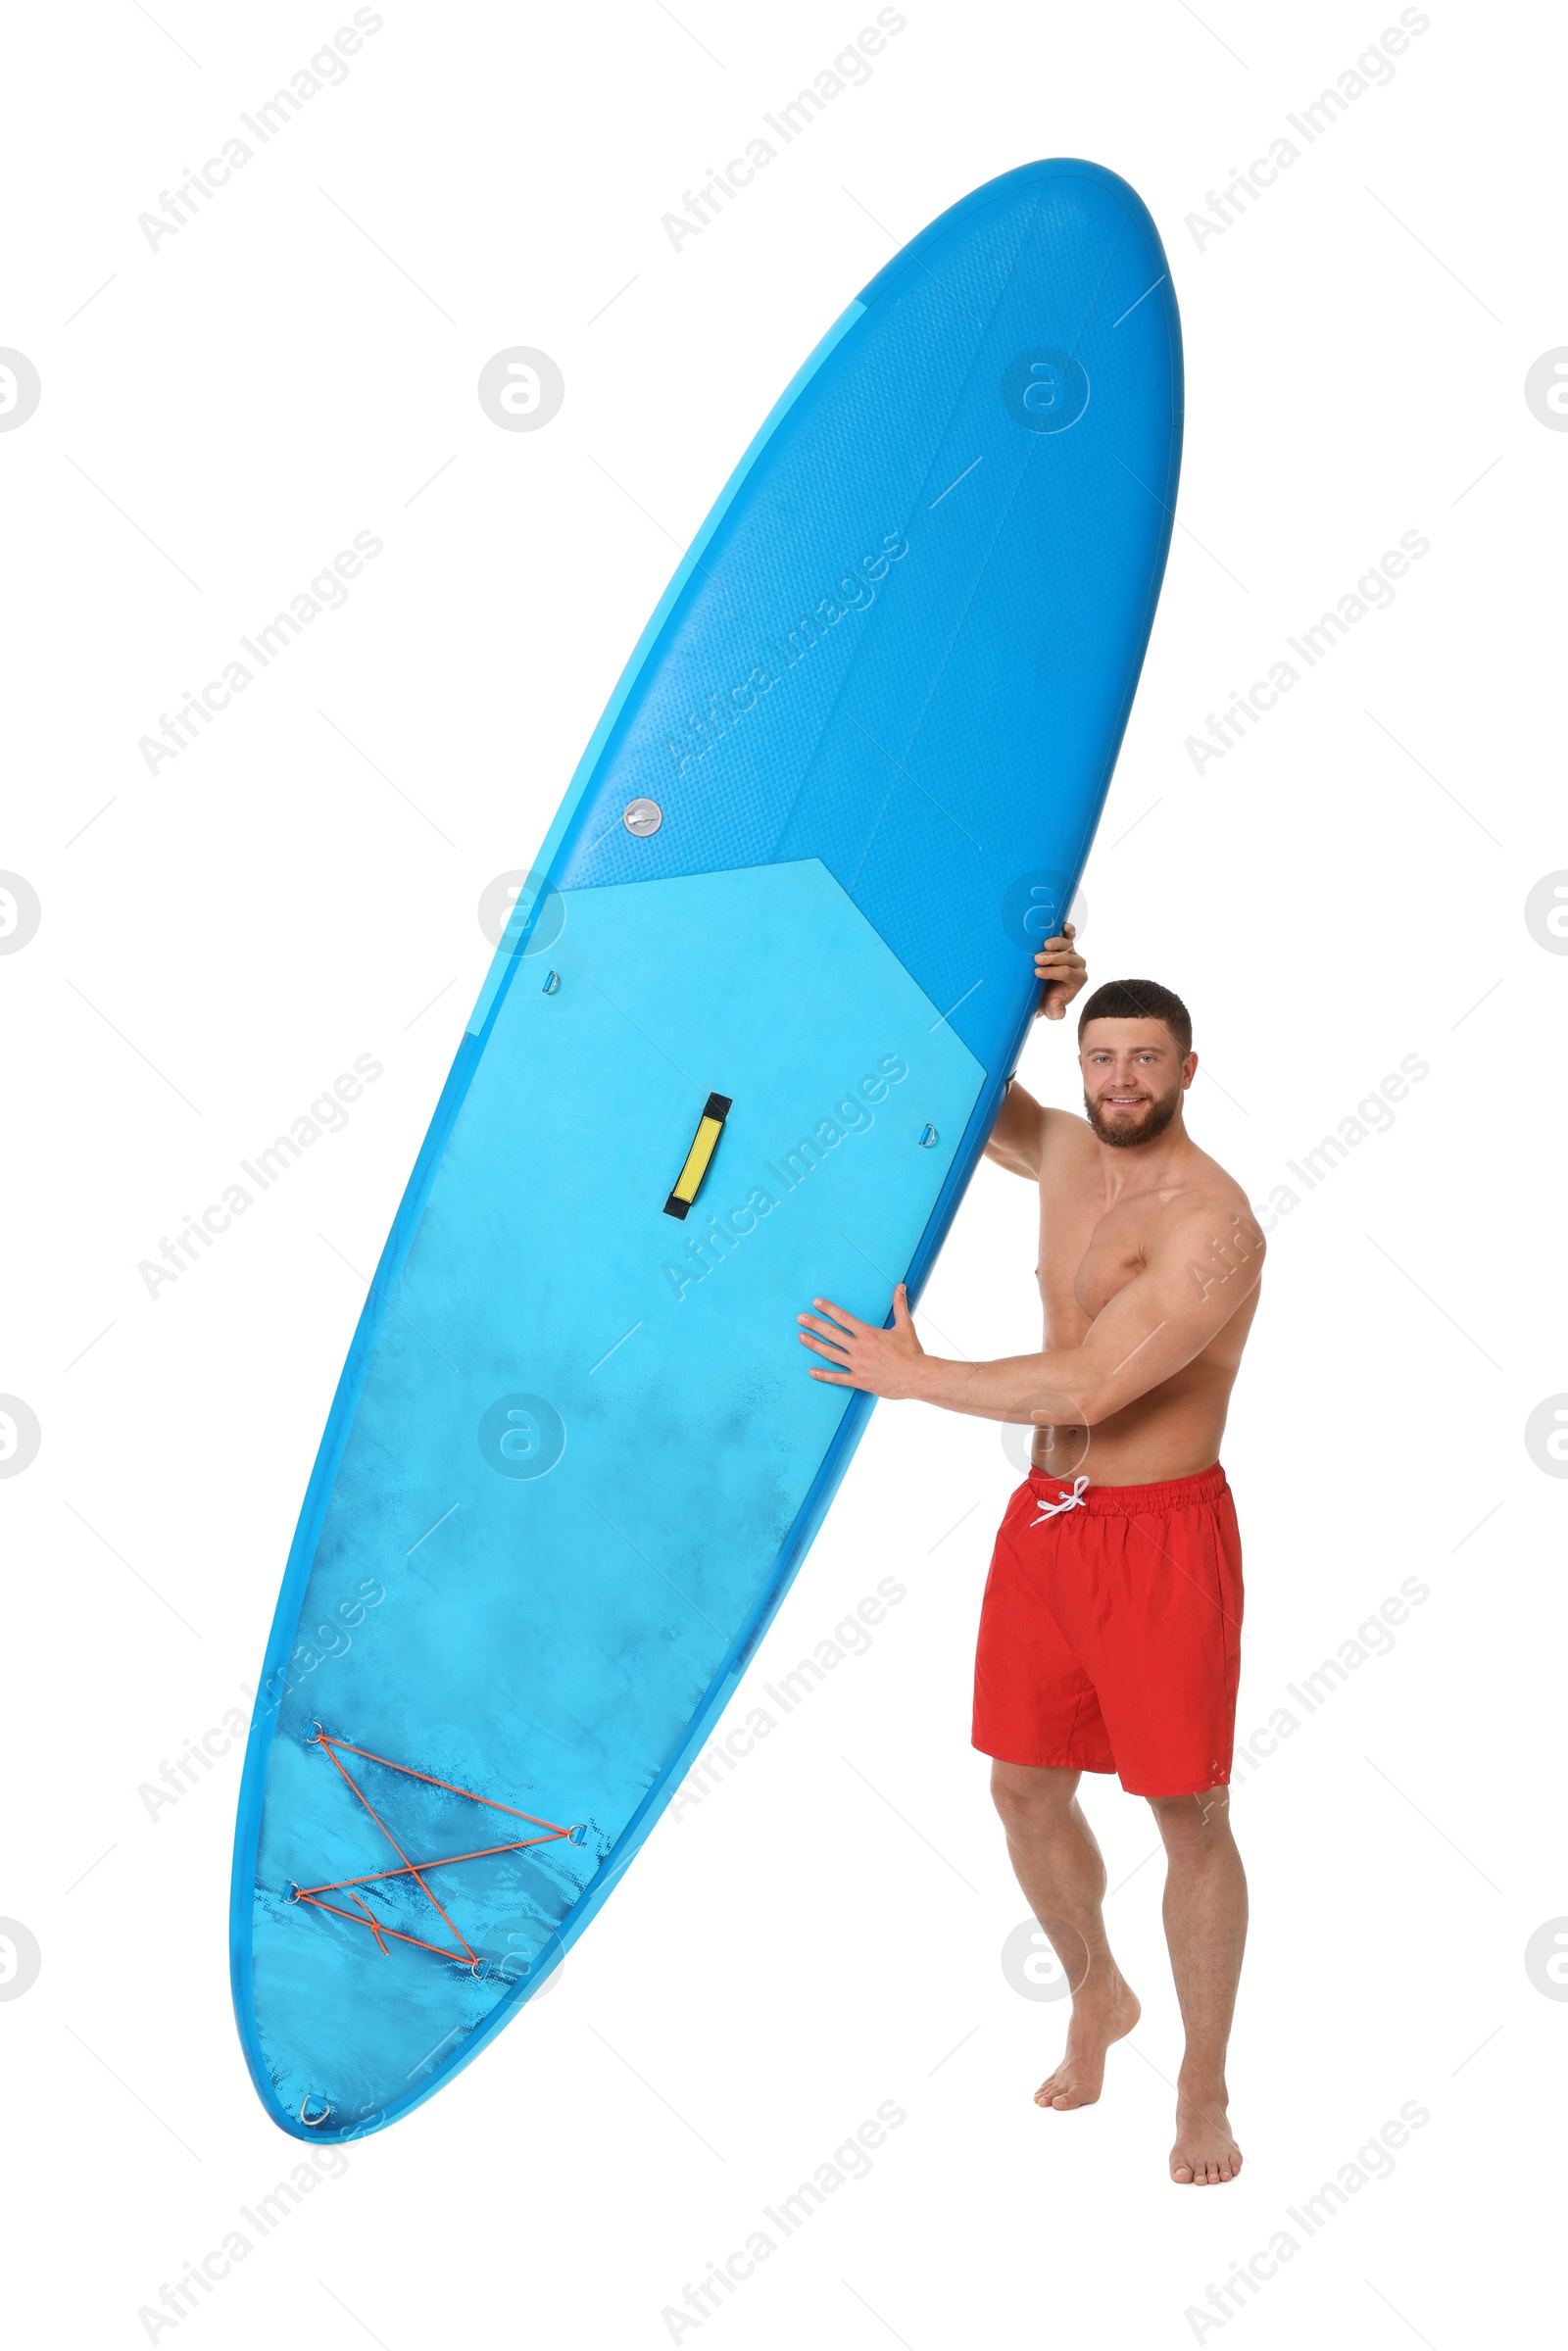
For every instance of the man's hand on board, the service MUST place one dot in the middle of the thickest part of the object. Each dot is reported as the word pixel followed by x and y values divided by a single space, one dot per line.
pixel 1061 971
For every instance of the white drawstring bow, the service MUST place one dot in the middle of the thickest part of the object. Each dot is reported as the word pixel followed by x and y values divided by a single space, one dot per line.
pixel 1069 1502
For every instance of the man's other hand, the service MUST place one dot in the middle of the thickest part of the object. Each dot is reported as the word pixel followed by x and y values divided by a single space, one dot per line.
pixel 883 1363
pixel 1061 971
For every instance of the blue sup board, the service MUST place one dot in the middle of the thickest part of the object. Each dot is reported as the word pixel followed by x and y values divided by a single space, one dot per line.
pixel 741 1045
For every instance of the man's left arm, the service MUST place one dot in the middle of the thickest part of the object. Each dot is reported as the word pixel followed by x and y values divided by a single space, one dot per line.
pixel 1204 1257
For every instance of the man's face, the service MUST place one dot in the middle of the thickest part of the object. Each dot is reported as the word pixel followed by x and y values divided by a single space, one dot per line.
pixel 1133 1078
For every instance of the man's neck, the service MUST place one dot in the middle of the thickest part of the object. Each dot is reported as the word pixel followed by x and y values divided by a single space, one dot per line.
pixel 1129 1168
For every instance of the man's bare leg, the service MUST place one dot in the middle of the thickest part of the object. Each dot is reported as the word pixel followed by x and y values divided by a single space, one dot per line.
pixel 1205 1927
pixel 1058 1865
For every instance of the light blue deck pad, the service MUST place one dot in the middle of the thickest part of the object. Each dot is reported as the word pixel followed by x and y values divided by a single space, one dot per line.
pixel 576 1457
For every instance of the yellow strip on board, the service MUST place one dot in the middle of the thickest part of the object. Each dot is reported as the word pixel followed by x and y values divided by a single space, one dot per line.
pixel 691 1175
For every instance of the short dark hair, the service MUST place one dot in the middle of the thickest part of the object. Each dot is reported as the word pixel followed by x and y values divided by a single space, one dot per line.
pixel 1139 999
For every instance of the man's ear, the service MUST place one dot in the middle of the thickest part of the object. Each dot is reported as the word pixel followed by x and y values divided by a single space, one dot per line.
pixel 1189 1069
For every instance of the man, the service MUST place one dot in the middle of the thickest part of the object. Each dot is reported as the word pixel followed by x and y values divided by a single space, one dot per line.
pixel 1112 1614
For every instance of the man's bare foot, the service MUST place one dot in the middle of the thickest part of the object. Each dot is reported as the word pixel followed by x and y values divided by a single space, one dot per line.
pixel 1091 2030
pixel 1205 2154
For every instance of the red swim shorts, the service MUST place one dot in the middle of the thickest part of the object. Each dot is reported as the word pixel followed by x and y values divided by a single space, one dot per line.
pixel 1111 1632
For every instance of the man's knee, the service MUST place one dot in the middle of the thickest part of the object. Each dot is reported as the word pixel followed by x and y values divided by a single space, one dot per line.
pixel 1032 1797
pixel 1192 1824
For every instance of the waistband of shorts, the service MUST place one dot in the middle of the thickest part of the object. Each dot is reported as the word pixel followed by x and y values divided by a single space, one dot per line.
pixel 1133 1502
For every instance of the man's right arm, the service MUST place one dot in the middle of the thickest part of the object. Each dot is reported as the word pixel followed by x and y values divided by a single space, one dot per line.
pixel 1016 1140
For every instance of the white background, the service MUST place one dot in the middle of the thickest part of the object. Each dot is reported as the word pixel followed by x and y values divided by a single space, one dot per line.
pixel 824 1933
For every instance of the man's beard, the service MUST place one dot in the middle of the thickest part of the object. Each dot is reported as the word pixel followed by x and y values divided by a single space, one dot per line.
pixel 1124 1133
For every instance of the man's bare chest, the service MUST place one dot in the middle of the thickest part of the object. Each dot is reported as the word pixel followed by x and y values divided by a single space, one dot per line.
pixel 1089 1251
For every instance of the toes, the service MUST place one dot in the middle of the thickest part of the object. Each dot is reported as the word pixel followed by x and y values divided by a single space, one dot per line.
pixel 1053 2100
pixel 1204 2171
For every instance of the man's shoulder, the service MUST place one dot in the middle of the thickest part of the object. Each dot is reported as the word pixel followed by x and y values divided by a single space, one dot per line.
pixel 1210 1196
pixel 1066 1137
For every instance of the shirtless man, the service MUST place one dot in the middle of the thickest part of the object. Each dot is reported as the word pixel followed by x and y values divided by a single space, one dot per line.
pixel 1111 1623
